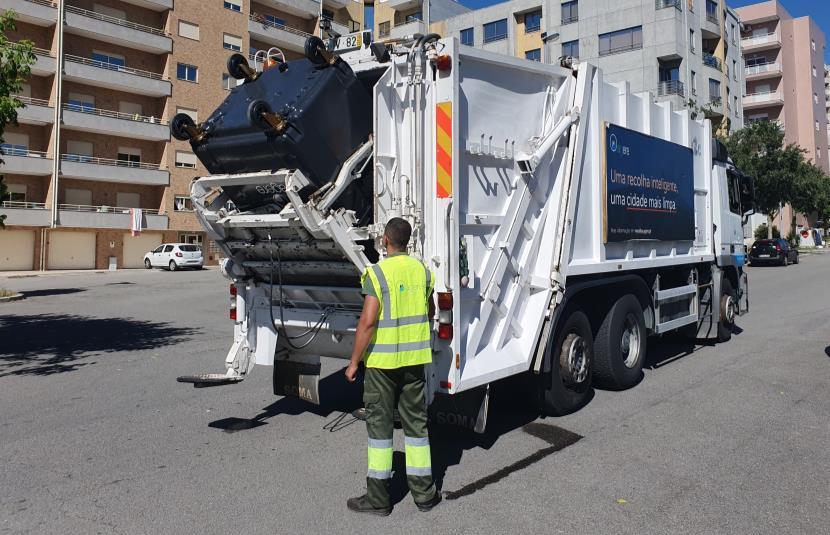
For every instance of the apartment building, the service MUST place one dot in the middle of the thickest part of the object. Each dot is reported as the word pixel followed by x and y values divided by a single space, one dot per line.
pixel 399 18
pixel 785 82
pixel 93 143
pixel 680 50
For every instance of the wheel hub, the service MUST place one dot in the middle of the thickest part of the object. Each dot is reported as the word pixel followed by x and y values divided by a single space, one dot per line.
pixel 573 360
pixel 727 306
pixel 630 341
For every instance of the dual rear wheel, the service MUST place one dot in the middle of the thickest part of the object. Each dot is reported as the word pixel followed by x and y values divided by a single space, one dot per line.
pixel 612 359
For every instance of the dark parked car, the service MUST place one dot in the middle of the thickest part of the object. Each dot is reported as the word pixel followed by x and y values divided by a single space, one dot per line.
pixel 774 251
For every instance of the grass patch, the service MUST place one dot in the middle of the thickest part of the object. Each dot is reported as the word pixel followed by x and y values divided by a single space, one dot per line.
pixel 6 293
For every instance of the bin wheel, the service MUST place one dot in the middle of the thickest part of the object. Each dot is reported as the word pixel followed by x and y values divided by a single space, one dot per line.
pixel 255 111
pixel 235 63
pixel 179 125
pixel 312 52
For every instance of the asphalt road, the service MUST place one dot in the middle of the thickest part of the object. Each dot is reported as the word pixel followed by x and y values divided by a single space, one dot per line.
pixel 97 437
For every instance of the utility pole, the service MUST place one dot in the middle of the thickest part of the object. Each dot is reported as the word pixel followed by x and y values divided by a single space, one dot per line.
pixel 56 133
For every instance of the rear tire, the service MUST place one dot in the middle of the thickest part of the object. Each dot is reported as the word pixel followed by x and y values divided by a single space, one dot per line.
pixel 796 258
pixel 728 309
pixel 785 261
pixel 571 355
pixel 620 345
pixel 147 264
pixel 172 265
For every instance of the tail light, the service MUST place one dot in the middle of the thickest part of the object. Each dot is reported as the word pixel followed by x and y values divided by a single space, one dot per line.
pixel 232 304
pixel 443 62
pixel 179 254
pixel 445 315
pixel 778 247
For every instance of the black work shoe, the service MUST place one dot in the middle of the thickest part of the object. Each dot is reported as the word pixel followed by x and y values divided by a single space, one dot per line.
pixel 360 504
pixel 427 506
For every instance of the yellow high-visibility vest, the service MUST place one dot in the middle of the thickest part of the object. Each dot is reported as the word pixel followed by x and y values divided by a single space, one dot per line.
pixel 402 338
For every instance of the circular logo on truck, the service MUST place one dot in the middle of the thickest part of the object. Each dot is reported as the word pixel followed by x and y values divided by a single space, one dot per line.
pixel 613 142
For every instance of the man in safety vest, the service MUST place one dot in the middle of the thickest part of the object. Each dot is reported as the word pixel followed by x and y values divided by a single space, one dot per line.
pixel 394 333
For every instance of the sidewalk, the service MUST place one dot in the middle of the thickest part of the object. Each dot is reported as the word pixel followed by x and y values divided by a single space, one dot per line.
pixel 56 272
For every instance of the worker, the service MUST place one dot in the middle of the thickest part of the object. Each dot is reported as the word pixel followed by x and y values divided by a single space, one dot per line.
pixel 394 333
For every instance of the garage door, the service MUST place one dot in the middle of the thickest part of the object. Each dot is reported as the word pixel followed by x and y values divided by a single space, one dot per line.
pixel 135 247
pixel 72 250
pixel 17 250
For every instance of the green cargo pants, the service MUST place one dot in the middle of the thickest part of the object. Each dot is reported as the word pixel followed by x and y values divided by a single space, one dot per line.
pixel 382 390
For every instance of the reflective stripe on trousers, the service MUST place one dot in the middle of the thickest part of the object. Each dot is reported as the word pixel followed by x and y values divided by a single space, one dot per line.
pixel 418 458
pixel 380 458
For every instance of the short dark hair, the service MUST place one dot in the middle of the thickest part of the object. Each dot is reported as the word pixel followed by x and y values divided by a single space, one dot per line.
pixel 398 231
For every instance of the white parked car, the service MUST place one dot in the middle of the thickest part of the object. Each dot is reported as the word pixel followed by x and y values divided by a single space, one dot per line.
pixel 174 256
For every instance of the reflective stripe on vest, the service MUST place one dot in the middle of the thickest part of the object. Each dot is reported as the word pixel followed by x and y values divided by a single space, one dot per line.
pixel 402 337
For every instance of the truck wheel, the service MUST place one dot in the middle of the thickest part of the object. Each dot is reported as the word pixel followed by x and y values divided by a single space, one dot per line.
pixel 570 375
pixel 620 346
pixel 728 310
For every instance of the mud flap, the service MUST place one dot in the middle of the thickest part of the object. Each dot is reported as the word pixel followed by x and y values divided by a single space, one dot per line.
pixel 743 297
pixel 467 409
pixel 298 379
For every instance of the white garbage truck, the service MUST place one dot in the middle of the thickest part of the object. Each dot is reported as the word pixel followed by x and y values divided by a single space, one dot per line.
pixel 566 220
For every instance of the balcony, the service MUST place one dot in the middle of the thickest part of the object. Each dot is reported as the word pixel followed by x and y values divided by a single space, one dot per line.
pixel 712 17
pixel 762 70
pixel 404 29
pixel 155 5
pixel 403 5
pixel 114 123
pixel 117 31
pixel 763 99
pixel 276 34
pixel 83 216
pixel 118 77
pixel 25 162
pixel 712 61
pixel 107 170
pixel 36 111
pixel 662 4
pixel 671 87
pixel 45 64
pixel 26 214
pixel 756 43
pixel 340 28
pixel 37 12
pixel 307 9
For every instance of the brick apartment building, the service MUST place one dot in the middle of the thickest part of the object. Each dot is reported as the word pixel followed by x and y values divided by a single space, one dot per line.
pixel 93 141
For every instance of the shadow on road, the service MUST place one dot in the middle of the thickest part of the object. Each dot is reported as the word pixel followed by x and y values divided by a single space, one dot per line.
pixel 46 344
pixel 52 291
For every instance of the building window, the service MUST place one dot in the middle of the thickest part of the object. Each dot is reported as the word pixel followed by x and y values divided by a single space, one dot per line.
pixel 818 128
pixel 813 42
pixel 533 22
pixel 275 21
pixel 534 55
pixel 570 12
pixel 182 203
pixel 412 17
pixel 692 40
pixel 734 42
pixel 328 14
pixel 15 193
pixel 621 41
pixel 714 90
pixel 735 99
pixel 129 157
pixel 693 76
pixel 233 5
pixel 495 31
pixel 735 69
pixel 571 49
pixel 815 73
pixel 712 11
pixel 187 72
pixel 189 30
pixel 77 151
pixel 107 60
pixel 228 83
pixel 815 98
pixel 186 160
pixel 467 37
pixel 81 102
pixel 231 42
pixel 383 28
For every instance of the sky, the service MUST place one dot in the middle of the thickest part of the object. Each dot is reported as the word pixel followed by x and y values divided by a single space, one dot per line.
pixel 818 9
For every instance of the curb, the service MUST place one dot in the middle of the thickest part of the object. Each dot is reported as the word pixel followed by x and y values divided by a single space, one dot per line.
pixel 9 299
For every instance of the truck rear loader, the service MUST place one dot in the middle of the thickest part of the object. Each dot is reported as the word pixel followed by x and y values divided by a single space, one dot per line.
pixel 566 219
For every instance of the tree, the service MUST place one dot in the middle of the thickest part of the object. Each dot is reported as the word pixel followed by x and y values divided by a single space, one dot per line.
pixel 16 60
pixel 811 190
pixel 759 151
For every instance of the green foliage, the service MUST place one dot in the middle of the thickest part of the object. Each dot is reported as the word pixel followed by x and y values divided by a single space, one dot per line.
pixel 759 151
pixel 762 232
pixel 16 60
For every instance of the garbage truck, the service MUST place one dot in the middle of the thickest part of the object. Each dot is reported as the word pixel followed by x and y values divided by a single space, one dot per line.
pixel 566 218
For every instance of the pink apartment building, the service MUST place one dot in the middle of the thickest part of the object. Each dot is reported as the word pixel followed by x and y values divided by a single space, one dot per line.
pixel 784 69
